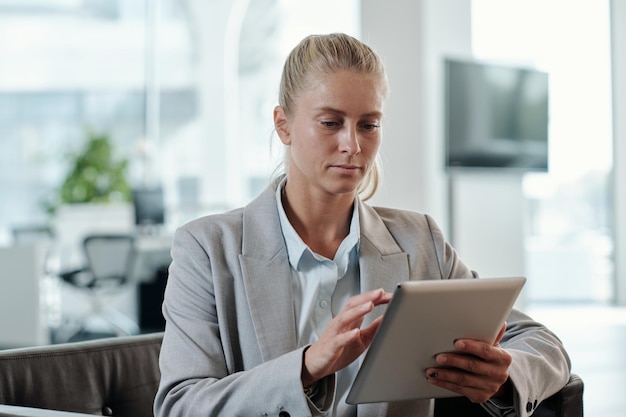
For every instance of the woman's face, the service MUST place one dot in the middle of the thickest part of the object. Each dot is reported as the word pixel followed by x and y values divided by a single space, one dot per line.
pixel 334 132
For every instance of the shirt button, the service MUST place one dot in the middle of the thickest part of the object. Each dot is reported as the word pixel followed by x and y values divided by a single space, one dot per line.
pixel 324 304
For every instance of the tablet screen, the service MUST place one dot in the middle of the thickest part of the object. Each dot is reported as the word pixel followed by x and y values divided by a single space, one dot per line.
pixel 423 319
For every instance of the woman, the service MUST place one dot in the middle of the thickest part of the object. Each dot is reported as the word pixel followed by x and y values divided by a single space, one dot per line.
pixel 269 307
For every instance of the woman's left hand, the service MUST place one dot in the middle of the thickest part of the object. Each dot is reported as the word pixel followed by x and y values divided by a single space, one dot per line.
pixel 478 370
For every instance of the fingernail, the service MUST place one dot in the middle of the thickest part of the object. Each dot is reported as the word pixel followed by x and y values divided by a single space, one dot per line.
pixel 460 344
pixel 433 374
pixel 442 359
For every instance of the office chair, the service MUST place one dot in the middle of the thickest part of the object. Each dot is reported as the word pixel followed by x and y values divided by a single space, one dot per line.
pixel 108 259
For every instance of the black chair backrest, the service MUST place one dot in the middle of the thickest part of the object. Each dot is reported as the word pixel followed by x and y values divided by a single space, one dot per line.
pixel 109 256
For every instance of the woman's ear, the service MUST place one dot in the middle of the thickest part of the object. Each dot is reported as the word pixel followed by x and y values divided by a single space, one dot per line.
pixel 281 124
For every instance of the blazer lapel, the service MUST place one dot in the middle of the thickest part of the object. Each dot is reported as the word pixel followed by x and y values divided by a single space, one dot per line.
pixel 267 277
pixel 383 263
pixel 271 304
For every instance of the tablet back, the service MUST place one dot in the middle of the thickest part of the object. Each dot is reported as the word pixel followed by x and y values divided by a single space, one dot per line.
pixel 424 318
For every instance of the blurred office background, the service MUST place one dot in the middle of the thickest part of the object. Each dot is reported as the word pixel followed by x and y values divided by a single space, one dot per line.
pixel 184 92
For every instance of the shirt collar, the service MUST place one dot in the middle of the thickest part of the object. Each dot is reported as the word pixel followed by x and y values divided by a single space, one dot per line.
pixel 296 247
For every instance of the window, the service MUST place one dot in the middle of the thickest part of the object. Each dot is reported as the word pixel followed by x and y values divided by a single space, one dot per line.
pixel 569 242
pixel 185 89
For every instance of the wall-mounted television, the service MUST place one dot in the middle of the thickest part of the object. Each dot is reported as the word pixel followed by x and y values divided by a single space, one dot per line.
pixel 496 116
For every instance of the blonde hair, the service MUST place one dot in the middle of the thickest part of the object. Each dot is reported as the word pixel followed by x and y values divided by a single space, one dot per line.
pixel 318 55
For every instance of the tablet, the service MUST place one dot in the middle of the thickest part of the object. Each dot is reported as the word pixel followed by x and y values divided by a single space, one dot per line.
pixel 424 318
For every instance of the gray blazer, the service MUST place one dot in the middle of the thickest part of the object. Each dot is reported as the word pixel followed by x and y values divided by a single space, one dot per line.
pixel 229 347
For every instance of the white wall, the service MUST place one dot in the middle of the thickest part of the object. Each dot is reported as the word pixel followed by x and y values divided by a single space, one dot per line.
pixel 618 35
pixel 487 222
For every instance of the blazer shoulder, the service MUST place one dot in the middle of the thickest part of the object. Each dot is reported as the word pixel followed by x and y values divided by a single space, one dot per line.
pixel 420 237
pixel 406 221
pixel 208 228
pixel 249 230
pixel 408 228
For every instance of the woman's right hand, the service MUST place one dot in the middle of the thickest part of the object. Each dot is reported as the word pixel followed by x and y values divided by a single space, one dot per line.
pixel 343 341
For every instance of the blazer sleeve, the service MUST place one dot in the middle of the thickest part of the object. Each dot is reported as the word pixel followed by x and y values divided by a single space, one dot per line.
pixel 540 365
pixel 196 378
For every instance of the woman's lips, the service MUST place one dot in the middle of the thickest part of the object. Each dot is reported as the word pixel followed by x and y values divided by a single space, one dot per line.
pixel 346 168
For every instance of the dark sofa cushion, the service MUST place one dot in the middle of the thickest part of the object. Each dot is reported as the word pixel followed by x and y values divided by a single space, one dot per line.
pixel 117 376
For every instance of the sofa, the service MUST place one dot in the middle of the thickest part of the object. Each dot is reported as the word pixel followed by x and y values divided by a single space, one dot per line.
pixel 119 377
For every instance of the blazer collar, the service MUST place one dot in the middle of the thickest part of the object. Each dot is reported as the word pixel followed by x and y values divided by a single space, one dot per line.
pixel 267 274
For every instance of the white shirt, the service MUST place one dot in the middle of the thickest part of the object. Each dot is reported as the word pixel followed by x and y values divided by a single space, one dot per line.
pixel 321 287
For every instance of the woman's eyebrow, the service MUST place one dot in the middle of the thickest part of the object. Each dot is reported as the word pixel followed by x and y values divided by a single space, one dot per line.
pixel 343 113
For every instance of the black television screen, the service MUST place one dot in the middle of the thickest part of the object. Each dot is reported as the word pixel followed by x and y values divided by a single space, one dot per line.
pixel 496 116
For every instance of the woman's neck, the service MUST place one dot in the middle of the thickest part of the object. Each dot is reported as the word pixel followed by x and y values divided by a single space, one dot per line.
pixel 322 223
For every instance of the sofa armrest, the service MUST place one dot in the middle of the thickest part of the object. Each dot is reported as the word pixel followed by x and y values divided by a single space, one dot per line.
pixel 115 376
pixel 17 411
pixel 568 402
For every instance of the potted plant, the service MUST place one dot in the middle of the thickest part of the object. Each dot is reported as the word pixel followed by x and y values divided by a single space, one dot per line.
pixel 95 175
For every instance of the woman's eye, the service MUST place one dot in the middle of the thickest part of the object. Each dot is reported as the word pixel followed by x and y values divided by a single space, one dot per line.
pixel 330 123
pixel 370 126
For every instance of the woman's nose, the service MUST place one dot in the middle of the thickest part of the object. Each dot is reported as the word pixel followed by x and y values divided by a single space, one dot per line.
pixel 349 142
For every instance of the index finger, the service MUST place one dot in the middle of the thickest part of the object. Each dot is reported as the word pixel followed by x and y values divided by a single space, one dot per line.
pixel 360 305
pixel 377 297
